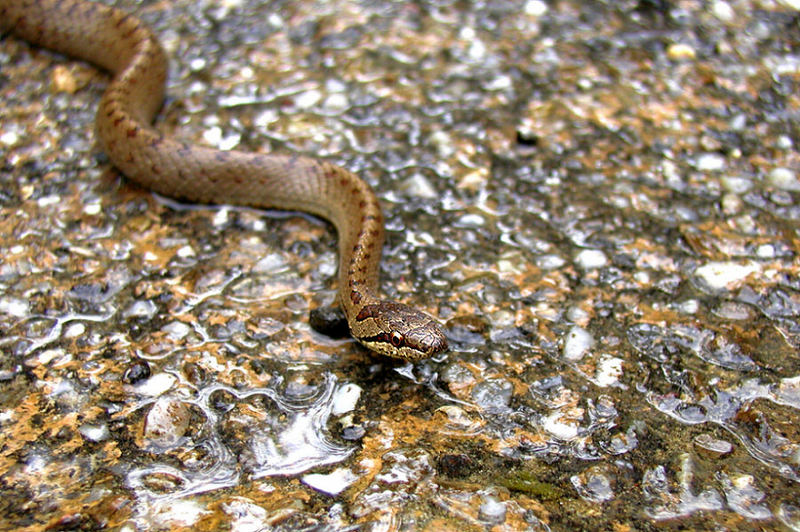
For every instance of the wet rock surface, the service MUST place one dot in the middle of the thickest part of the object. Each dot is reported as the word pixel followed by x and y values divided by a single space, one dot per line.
pixel 598 200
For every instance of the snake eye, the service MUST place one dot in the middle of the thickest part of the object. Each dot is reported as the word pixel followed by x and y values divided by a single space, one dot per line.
pixel 396 339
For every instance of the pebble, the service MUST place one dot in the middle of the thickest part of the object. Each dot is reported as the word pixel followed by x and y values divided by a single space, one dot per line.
pixel 336 103
pixel 495 393
pixel 730 310
pixel 308 99
pixel 471 220
pixel 156 385
pixel 712 447
pixel 272 263
pixel 735 184
pixel 784 179
pixel 535 8
pixel 724 275
pixel 166 422
pixel 140 309
pixel 176 330
pixel 492 511
pixel 723 11
pixel 765 251
pixel 578 315
pixel 710 162
pixel 577 343
pixel 549 262
pixel 75 330
pixel 590 259
pixel 443 143
pixel 680 51
pixel 784 142
pixel 418 186
pixel 731 204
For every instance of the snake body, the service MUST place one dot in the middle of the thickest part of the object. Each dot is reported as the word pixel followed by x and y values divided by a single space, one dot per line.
pixel 123 45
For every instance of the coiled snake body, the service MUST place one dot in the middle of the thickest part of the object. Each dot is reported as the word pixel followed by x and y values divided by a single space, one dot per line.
pixel 123 45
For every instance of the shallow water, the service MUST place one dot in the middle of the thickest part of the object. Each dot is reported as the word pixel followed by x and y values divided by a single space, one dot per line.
pixel 598 201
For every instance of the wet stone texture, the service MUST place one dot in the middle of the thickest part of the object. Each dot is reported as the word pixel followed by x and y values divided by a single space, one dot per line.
pixel 598 200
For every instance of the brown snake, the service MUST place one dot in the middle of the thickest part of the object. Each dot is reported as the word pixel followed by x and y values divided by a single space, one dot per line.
pixel 123 45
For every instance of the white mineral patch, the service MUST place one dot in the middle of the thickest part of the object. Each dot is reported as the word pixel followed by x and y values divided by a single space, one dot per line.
pixel 333 483
pixel 45 357
pixel 577 343
pixel 492 510
pixel 14 307
pixel 173 513
pixel 94 432
pixel 156 385
pixel 47 201
pixel 185 252
pixel 443 143
pixel 609 370
pixel 690 306
pixel 246 516
pixel 558 427
pixel 345 399
pixel 499 83
pixel 92 209
pixel 724 275
pixel 766 251
pixel 213 135
pixel 140 309
pixel 221 217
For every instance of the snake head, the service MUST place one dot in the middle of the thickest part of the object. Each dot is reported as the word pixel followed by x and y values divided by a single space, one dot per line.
pixel 399 331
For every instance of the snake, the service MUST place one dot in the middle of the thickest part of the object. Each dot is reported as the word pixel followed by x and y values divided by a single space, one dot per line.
pixel 123 45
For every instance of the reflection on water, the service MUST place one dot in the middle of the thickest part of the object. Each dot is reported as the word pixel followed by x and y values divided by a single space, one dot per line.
pixel 271 431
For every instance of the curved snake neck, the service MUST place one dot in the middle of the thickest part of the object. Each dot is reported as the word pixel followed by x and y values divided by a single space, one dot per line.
pixel 123 45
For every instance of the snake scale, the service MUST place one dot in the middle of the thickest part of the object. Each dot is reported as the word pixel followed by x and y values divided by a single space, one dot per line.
pixel 121 44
